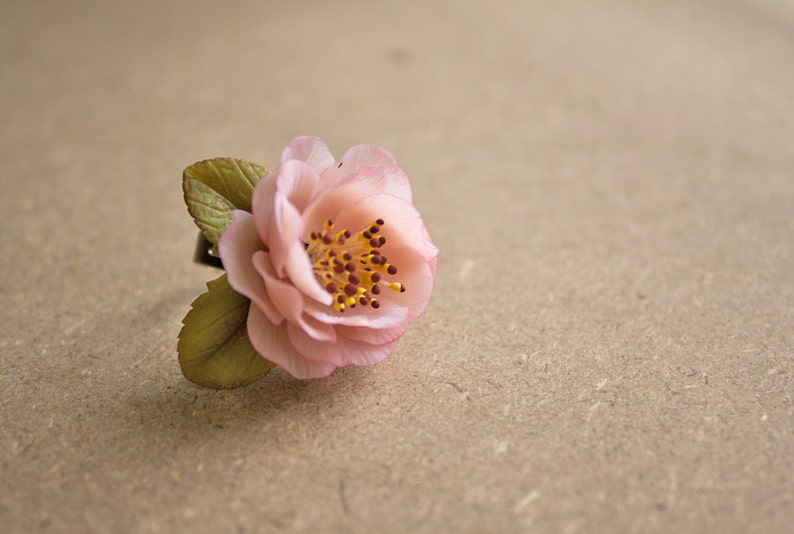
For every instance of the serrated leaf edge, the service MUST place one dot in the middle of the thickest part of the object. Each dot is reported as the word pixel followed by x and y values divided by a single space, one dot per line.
pixel 250 175
pixel 242 326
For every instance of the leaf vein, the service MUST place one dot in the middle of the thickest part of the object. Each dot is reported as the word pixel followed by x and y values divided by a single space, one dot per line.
pixel 245 174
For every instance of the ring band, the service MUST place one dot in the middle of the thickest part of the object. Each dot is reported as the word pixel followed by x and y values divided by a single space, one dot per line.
pixel 207 253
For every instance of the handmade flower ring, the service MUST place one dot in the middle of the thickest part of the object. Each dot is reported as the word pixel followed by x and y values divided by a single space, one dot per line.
pixel 333 256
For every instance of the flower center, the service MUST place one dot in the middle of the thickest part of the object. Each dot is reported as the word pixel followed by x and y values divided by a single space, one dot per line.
pixel 350 266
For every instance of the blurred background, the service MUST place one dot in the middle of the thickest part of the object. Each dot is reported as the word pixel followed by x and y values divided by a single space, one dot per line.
pixel 609 344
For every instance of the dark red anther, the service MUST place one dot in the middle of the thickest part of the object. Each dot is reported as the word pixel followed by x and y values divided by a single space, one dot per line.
pixel 392 269
pixel 350 290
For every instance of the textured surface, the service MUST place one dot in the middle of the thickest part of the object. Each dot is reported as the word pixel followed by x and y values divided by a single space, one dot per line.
pixel 609 348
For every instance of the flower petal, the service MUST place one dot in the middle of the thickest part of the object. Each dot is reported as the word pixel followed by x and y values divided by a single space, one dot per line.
pixel 415 273
pixel 344 352
pixel 368 181
pixel 295 185
pixel 352 160
pixel 403 222
pixel 286 229
pixel 296 180
pixel 434 262
pixel 300 272
pixel 289 300
pixel 262 206
pixel 375 336
pixel 389 315
pixel 237 245
pixel 273 344
pixel 310 149
pixel 288 252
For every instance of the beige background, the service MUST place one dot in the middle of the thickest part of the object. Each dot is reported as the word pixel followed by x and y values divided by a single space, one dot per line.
pixel 609 346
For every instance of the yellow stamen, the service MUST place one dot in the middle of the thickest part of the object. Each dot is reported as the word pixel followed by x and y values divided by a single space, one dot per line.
pixel 351 267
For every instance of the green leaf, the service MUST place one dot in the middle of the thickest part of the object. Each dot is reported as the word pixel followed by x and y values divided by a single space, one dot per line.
pixel 214 350
pixel 215 187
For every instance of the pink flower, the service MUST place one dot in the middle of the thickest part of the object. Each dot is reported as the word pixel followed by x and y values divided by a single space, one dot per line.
pixel 334 257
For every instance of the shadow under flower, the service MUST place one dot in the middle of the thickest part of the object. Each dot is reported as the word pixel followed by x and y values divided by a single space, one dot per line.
pixel 157 411
pixel 177 407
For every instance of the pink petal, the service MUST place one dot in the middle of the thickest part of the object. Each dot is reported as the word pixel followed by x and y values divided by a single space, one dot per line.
pixel 238 243
pixel 388 315
pixel 301 273
pixel 296 180
pixel 286 229
pixel 403 222
pixel 343 352
pixel 373 336
pixel 414 272
pixel 434 261
pixel 355 157
pixel 397 184
pixel 288 252
pixel 366 182
pixel 310 149
pixel 262 206
pixel 273 344
pixel 289 301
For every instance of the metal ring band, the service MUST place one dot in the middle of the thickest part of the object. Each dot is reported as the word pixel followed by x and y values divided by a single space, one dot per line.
pixel 207 253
